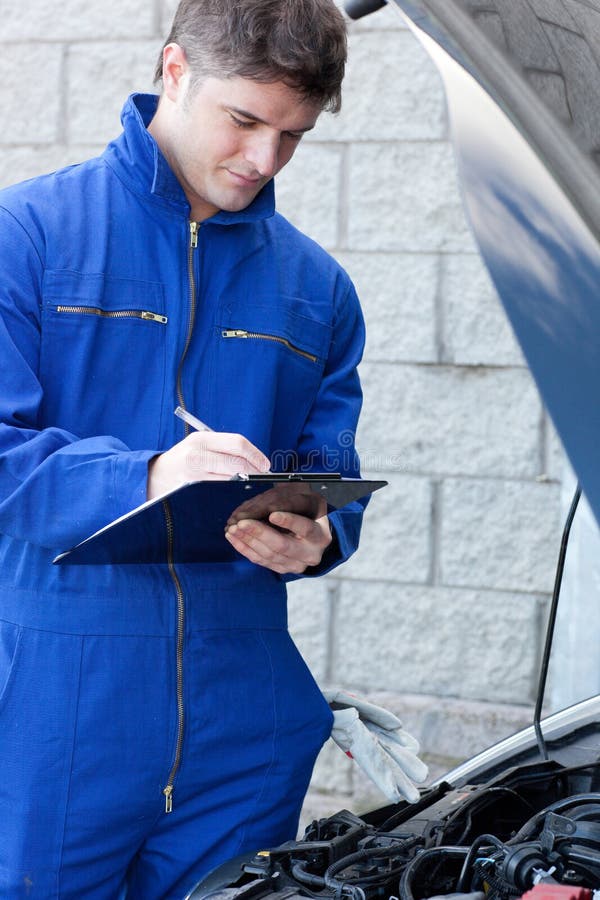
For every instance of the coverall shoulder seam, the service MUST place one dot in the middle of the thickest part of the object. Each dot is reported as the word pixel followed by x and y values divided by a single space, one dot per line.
pixel 24 229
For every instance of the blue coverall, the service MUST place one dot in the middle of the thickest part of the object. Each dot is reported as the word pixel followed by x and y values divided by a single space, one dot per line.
pixel 128 691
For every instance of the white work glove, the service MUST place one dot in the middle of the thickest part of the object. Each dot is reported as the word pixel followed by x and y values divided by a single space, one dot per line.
pixel 375 739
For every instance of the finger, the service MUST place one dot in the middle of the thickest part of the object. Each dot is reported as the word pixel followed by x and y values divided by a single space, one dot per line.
pixel 406 788
pixel 278 539
pixel 273 548
pixel 280 499
pixel 253 550
pixel 379 765
pixel 257 507
pixel 370 713
pixel 229 445
pixel 269 543
pixel 390 778
pixel 253 557
pixel 397 736
pixel 414 767
pixel 299 525
pixel 204 463
pixel 220 465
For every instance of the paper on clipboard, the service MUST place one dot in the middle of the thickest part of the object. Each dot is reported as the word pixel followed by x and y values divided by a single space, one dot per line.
pixel 195 516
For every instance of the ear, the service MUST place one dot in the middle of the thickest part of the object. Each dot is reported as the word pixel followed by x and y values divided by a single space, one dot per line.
pixel 175 71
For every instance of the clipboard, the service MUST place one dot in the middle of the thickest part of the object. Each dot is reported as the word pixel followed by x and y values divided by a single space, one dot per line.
pixel 195 516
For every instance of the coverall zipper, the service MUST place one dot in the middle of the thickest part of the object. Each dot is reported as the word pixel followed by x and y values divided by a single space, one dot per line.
pixel 168 789
pixel 114 313
pixel 193 244
pixel 240 333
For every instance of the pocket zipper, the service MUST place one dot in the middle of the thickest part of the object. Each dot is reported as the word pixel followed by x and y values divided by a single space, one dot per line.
pixel 114 313
pixel 239 333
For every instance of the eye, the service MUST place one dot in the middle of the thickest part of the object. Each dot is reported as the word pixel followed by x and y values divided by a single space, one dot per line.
pixel 294 135
pixel 240 123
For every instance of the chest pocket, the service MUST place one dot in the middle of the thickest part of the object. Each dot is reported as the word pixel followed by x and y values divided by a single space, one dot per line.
pixel 272 355
pixel 102 362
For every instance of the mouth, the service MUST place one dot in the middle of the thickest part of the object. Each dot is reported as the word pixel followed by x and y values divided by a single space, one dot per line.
pixel 244 180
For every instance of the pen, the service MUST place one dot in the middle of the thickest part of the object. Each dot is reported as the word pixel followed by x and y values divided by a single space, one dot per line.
pixel 191 420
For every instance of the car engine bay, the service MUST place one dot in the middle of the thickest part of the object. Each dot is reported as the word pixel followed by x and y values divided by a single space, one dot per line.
pixel 531 824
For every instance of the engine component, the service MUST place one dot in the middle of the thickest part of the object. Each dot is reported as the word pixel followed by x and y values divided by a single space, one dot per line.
pixel 531 827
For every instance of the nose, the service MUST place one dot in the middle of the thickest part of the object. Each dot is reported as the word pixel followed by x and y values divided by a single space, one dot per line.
pixel 263 154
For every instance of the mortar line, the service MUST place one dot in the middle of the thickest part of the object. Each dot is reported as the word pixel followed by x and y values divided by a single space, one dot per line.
pixel 439 307
pixel 333 592
pixel 343 199
pixel 435 535
pixel 63 123
pixel 456 587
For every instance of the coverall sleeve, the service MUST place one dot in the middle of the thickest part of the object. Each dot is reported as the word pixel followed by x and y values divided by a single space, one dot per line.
pixel 55 489
pixel 328 439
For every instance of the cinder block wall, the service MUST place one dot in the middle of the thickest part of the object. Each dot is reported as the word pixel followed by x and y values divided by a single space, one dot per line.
pixel 440 613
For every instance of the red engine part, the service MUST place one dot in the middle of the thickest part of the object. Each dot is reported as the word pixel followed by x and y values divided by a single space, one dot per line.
pixel 557 892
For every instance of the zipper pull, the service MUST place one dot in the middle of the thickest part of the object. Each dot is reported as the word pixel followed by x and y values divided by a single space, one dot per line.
pixel 234 332
pixel 168 792
pixel 193 235
pixel 154 317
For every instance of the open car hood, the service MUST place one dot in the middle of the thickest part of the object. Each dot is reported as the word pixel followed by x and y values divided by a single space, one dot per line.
pixel 522 79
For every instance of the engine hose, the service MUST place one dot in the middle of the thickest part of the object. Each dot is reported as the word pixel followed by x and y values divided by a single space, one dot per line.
pixel 308 878
pixel 461 884
pixel 368 853
pixel 415 864
pixel 328 880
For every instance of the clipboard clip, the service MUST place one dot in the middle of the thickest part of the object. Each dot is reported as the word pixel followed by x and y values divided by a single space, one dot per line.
pixel 288 476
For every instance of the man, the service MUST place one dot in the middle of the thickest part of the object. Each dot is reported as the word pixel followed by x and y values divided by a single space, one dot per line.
pixel 157 719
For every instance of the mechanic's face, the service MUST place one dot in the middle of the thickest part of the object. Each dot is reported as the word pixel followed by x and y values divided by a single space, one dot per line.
pixel 225 138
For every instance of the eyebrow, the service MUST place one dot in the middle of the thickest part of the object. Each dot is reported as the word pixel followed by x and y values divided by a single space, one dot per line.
pixel 249 115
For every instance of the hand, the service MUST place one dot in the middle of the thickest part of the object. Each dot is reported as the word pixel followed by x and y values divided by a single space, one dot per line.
pixel 286 543
pixel 202 456
pixel 375 739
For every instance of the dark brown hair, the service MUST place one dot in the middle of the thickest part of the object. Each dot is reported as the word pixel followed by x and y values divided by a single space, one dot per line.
pixel 299 42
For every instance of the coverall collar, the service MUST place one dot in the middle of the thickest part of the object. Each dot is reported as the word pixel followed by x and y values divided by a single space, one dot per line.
pixel 138 160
